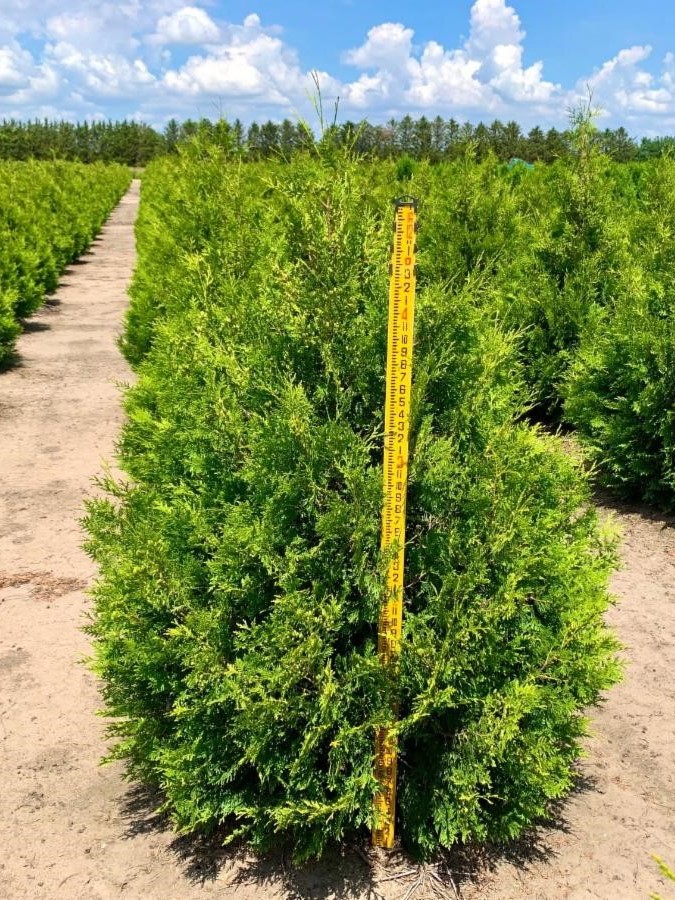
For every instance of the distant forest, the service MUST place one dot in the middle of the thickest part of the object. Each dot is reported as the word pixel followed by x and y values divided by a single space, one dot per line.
pixel 135 144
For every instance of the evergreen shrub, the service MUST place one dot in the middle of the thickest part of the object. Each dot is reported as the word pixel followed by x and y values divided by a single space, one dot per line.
pixel 217 216
pixel 620 396
pixel 49 213
pixel 234 622
pixel 620 391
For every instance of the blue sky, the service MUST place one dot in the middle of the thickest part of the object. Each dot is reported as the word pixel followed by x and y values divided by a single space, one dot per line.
pixel 595 31
pixel 528 60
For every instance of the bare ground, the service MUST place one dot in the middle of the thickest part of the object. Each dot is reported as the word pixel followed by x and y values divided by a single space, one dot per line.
pixel 72 829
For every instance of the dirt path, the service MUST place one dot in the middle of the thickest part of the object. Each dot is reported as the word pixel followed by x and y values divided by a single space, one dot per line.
pixel 70 829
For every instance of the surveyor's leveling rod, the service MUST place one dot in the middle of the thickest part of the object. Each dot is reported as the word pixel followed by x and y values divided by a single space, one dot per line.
pixel 397 422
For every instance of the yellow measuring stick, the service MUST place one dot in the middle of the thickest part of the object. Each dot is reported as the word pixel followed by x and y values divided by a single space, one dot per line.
pixel 397 424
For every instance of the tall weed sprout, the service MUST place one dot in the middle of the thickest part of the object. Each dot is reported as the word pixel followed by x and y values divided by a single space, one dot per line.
pixel 235 615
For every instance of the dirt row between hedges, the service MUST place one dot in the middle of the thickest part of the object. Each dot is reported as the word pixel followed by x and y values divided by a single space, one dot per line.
pixel 72 829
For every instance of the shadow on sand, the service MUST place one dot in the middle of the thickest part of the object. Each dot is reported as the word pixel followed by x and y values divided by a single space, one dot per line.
pixel 605 499
pixel 350 872
pixel 82 260
pixel 32 325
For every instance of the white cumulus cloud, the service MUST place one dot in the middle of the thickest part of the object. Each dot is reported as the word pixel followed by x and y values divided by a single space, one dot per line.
pixel 188 25
pixel 388 46
pixel 247 63
pixel 162 58
pixel 621 87
pixel 15 67
pixel 485 74
pixel 101 75
pixel 493 24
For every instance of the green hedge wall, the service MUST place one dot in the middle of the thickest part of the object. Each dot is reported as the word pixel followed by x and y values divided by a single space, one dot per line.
pixel 49 213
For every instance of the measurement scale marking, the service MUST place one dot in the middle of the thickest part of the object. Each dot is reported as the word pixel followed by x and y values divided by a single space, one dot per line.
pixel 400 333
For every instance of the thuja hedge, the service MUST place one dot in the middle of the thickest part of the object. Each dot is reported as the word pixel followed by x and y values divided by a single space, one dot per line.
pixel 620 390
pixel 234 621
pixel 563 255
pixel 221 214
pixel 552 245
pixel 49 213
pixel 576 260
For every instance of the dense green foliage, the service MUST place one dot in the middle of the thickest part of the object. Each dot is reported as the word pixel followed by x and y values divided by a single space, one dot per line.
pixel 620 392
pixel 234 622
pixel 577 260
pixel 49 213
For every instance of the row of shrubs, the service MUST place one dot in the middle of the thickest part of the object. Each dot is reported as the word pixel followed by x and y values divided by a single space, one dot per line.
pixel 578 261
pixel 49 213
pixel 234 621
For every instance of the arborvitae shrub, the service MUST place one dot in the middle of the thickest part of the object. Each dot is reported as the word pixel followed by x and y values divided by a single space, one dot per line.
pixel 405 168
pixel 49 212
pixel 9 327
pixel 217 217
pixel 621 398
pixel 620 392
pixel 474 222
pixel 575 255
pixel 235 616
pixel 548 245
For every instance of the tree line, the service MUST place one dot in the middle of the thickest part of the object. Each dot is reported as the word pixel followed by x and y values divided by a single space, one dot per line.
pixel 136 143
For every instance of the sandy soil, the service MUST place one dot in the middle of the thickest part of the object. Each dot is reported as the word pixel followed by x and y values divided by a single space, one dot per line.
pixel 72 829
